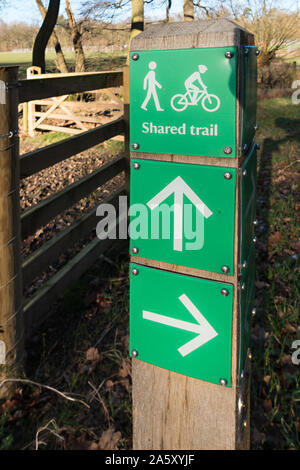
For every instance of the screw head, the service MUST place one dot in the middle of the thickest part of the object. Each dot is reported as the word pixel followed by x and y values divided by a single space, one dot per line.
pixel 227 175
pixel 246 52
pixel 134 353
pixel 135 146
pixel 257 146
pixel 256 127
pixel 135 56
pixel 135 250
pixel 228 150
pixel 135 271
pixel 245 148
pixel 254 239
pixel 225 269
pixel 245 264
pixel 136 166
pixel 228 54
pixel 223 382
pixel 255 222
pixel 224 292
pixel 249 355
pixel 253 312
pixel 244 173
pixel 243 286
pixel 244 424
pixel 257 52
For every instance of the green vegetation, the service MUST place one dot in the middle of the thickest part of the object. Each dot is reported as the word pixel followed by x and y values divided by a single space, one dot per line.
pixel 94 61
pixel 276 380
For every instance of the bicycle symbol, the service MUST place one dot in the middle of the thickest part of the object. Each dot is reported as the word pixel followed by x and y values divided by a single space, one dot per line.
pixel 209 102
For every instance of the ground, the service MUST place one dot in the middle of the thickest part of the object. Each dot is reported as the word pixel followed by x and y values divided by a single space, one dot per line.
pixel 82 350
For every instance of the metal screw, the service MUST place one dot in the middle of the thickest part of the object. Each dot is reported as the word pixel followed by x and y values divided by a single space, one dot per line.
pixel 136 166
pixel 255 222
pixel 135 146
pixel 224 292
pixel 246 52
pixel 227 175
pixel 253 312
pixel 225 269
pixel 245 264
pixel 244 424
pixel 223 382
pixel 257 146
pixel 244 173
pixel 257 52
pixel 134 353
pixel 243 286
pixel 254 239
pixel 135 56
pixel 249 355
pixel 135 250
pixel 245 148
pixel 256 127
pixel 228 54
pixel 228 150
pixel 135 271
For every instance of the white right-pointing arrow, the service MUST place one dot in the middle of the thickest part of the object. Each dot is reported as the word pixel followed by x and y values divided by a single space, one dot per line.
pixel 204 329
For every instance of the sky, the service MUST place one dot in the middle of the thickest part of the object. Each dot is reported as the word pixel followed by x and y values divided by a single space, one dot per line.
pixel 27 11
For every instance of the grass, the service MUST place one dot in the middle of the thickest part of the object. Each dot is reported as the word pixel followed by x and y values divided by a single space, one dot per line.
pixel 276 380
pixel 94 61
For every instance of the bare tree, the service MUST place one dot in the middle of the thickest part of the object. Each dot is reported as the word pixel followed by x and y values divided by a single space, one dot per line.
pixel 137 18
pixel 188 10
pixel 44 34
pixel 77 39
pixel 272 27
pixel 61 61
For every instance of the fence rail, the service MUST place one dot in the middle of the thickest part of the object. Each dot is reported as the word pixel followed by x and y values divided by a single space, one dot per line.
pixel 45 157
pixel 40 88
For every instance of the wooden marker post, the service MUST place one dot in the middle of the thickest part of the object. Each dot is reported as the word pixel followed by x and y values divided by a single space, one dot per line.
pixel 193 170
pixel 11 319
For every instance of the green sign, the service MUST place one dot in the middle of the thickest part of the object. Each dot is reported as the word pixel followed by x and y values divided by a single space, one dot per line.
pixel 248 202
pixel 181 323
pixel 183 214
pixel 184 101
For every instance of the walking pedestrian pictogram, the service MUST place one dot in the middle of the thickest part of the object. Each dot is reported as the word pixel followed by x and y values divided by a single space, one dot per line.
pixel 150 84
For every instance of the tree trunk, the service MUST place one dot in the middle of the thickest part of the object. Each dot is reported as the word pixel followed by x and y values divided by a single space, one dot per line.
pixel 168 7
pixel 43 36
pixel 61 61
pixel 137 18
pixel 188 10
pixel 76 38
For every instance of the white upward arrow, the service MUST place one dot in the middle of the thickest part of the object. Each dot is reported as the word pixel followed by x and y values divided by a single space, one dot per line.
pixel 204 329
pixel 179 187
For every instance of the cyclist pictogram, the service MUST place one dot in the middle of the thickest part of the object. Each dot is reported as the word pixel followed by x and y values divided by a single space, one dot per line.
pixel 194 94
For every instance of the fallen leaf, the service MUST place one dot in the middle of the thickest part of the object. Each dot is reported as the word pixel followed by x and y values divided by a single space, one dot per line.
pixel 92 355
pixel 109 439
pixel 125 368
pixel 274 238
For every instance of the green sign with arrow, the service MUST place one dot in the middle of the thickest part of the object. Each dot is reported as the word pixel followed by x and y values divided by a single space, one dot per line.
pixel 183 214
pixel 181 323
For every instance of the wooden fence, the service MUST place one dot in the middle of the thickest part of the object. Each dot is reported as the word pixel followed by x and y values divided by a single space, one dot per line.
pixel 18 319
pixel 59 114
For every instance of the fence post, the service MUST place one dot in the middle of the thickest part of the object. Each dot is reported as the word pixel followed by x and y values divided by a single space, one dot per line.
pixel 11 314
pixel 192 125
